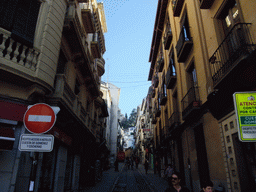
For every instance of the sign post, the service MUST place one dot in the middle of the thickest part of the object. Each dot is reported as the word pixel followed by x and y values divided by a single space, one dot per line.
pixel 245 107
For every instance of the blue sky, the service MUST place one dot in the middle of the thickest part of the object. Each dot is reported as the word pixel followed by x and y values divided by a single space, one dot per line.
pixel 130 25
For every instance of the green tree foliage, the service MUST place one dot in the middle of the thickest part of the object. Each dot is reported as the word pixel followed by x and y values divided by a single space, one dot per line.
pixel 131 121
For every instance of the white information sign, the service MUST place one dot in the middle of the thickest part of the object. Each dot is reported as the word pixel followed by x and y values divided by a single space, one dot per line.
pixel 36 143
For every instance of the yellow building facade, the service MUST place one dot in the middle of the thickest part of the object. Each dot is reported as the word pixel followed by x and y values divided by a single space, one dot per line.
pixel 201 53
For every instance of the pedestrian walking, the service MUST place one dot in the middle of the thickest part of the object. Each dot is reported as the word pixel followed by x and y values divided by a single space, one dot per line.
pixel 132 163
pixel 137 162
pixel 207 186
pixel 128 163
pixel 168 172
pixel 158 167
pixel 174 184
pixel 146 166
pixel 116 165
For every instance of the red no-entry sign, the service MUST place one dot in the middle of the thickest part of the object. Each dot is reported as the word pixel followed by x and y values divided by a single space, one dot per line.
pixel 39 118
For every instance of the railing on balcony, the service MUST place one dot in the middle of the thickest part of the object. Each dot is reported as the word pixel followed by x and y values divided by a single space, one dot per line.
pixel 163 96
pixel 18 53
pixel 237 44
pixel 171 77
pixel 160 64
pixel 206 4
pixel 67 95
pixel 96 46
pixel 174 121
pixel 100 66
pixel 177 7
pixel 157 111
pixel 190 102
pixel 184 45
pixel 167 40
pixel 88 17
pixel 155 81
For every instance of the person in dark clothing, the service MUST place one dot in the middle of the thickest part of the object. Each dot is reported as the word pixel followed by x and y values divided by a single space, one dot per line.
pixel 146 166
pixel 137 162
pixel 116 165
pixel 174 184
pixel 207 186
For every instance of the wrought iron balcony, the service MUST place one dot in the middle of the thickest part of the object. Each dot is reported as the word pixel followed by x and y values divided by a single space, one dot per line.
pixel 153 93
pixel 236 46
pixel 168 40
pixel 155 81
pixel 206 4
pixel 100 66
pixel 190 102
pixel 160 64
pixel 95 46
pixel 157 111
pixel 171 78
pixel 174 121
pixel 184 46
pixel 177 7
pixel 163 97
pixel 88 17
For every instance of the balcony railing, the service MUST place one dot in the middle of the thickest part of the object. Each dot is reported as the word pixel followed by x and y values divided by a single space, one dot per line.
pixel 100 66
pixel 157 111
pixel 160 64
pixel 163 97
pixel 21 57
pixel 96 46
pixel 171 78
pixel 184 46
pixel 88 17
pixel 174 121
pixel 177 7
pixel 190 102
pixel 167 40
pixel 65 94
pixel 206 4
pixel 155 81
pixel 236 45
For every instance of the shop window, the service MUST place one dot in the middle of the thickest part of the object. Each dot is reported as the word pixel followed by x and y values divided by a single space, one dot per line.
pixel 20 18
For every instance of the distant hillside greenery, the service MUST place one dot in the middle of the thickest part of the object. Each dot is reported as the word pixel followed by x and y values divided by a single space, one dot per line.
pixel 131 121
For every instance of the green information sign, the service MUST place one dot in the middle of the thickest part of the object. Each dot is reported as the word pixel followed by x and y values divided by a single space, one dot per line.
pixel 245 107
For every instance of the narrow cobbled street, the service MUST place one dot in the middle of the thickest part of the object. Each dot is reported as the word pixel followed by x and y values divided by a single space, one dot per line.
pixel 129 180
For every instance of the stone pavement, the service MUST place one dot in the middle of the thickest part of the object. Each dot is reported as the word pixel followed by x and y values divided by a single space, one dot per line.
pixel 158 184
pixel 111 178
pixel 108 179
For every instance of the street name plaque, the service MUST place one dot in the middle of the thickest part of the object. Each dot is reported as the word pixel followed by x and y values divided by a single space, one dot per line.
pixel 245 108
pixel 36 143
